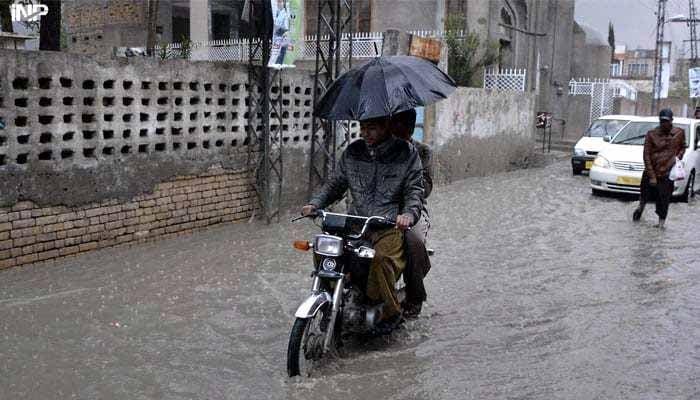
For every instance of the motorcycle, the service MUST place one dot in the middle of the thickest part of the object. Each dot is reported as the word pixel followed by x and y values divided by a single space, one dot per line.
pixel 338 303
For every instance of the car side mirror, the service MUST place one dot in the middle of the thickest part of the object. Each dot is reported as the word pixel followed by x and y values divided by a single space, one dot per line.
pixel 607 138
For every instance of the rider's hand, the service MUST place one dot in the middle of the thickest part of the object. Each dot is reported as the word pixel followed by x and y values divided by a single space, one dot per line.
pixel 404 221
pixel 308 210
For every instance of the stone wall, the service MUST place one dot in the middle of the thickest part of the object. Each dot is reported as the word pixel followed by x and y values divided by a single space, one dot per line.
pixel 476 132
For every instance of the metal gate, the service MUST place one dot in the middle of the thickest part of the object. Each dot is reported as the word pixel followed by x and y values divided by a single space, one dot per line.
pixel 602 100
pixel 602 95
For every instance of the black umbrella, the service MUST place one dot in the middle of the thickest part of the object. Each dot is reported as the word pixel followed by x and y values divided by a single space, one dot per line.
pixel 385 86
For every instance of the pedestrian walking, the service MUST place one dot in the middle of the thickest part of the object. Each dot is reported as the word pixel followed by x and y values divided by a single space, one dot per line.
pixel 662 146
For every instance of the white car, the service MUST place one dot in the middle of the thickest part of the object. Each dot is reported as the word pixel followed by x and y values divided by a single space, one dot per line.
pixel 591 143
pixel 619 166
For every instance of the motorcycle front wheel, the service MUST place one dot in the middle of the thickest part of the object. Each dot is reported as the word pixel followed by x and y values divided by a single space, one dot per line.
pixel 306 343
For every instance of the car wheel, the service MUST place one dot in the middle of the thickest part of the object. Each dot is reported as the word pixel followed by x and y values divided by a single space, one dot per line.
pixel 689 189
pixel 597 192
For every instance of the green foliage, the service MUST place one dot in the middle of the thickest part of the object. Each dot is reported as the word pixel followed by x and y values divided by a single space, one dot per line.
pixel 164 52
pixel 467 54
pixel 185 48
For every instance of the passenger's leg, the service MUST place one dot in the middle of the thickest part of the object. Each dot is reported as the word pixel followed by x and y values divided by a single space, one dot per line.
pixel 417 266
pixel 388 263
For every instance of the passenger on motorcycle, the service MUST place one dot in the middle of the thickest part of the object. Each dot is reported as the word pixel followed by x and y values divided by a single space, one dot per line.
pixel 417 260
pixel 384 177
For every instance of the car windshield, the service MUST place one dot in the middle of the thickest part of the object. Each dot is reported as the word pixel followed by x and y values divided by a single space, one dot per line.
pixel 635 133
pixel 605 127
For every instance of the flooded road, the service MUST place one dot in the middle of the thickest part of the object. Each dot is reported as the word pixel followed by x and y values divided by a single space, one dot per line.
pixel 538 291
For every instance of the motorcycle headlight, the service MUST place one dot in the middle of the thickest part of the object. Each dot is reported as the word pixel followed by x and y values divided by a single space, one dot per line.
pixel 579 152
pixel 326 245
pixel 601 162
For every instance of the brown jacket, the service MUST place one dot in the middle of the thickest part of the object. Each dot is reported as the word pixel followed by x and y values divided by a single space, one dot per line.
pixel 661 150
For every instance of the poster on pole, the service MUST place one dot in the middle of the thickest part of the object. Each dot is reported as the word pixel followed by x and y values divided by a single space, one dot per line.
pixel 694 82
pixel 286 33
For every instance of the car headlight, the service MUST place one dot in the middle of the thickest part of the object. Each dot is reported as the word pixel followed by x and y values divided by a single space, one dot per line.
pixel 601 162
pixel 326 245
pixel 579 152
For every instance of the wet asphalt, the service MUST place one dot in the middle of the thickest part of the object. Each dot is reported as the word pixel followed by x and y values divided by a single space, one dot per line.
pixel 538 291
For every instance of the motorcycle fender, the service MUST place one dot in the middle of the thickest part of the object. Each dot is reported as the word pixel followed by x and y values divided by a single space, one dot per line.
pixel 312 304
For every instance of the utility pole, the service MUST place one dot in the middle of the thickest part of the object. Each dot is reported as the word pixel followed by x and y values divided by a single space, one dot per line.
pixel 693 27
pixel 658 58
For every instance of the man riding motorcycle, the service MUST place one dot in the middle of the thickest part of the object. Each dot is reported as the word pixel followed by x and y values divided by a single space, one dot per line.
pixel 384 177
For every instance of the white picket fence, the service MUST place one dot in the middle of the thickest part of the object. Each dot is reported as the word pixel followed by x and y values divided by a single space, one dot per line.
pixel 505 79
pixel 584 86
pixel 364 45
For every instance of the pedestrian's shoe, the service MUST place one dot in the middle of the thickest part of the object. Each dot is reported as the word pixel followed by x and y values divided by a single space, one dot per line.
pixel 411 310
pixel 637 215
pixel 386 326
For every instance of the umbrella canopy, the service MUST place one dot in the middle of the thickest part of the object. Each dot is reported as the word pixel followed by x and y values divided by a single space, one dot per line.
pixel 385 86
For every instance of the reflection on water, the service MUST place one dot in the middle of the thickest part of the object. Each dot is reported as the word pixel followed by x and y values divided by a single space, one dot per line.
pixel 538 291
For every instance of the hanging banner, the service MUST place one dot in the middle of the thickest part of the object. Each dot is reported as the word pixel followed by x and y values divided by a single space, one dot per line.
pixel 694 82
pixel 288 16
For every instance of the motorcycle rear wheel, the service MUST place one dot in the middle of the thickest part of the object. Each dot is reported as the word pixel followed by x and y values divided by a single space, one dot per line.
pixel 306 343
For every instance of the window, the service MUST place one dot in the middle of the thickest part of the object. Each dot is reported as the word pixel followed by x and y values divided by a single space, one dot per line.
pixel 638 70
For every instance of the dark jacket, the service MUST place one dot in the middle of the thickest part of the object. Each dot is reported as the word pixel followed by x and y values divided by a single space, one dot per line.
pixel 661 150
pixel 384 181
pixel 426 158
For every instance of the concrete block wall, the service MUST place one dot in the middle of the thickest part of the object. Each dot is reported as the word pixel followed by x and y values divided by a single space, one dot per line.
pixel 150 148
pixel 476 132
pixel 103 152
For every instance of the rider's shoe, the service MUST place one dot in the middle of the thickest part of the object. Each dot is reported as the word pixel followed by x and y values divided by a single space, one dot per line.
pixel 385 327
pixel 411 310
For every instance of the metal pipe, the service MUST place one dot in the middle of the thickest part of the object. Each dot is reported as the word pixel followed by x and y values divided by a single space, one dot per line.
pixel 337 299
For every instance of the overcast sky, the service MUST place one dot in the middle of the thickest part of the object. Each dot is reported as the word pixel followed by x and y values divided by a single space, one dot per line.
pixel 634 20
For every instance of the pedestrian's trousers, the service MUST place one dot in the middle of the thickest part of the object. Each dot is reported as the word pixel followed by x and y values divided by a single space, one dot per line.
pixel 387 265
pixel 661 193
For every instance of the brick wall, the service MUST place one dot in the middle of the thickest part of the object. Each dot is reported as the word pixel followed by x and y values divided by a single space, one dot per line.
pixel 29 233
pixel 95 27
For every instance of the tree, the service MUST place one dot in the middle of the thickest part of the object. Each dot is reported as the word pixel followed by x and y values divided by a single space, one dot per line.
pixel 611 40
pixel 467 54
